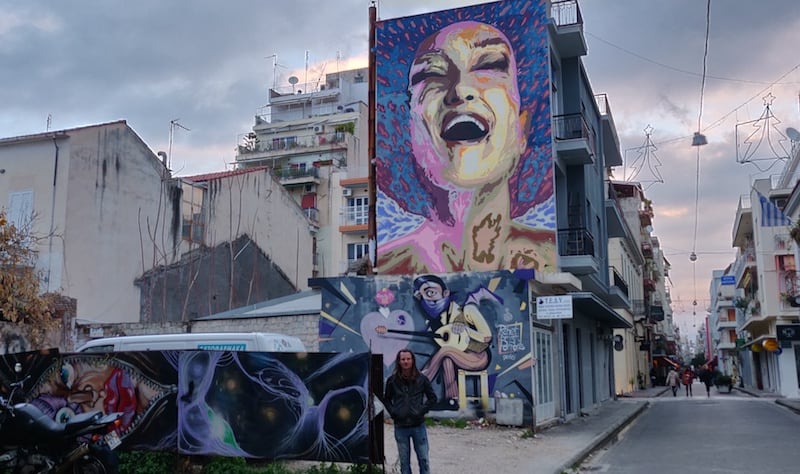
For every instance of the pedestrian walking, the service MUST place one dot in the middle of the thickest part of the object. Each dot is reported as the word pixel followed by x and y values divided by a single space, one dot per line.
pixel 707 377
pixel 688 379
pixel 408 397
pixel 673 381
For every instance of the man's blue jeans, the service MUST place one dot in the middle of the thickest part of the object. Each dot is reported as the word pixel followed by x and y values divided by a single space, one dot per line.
pixel 404 436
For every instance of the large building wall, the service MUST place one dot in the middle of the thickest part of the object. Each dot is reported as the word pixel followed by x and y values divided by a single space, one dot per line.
pixel 120 220
pixel 100 207
pixel 254 203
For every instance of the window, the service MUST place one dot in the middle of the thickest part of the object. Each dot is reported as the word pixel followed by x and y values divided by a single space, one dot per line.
pixel 193 228
pixel 356 251
pixel 20 209
pixel 357 212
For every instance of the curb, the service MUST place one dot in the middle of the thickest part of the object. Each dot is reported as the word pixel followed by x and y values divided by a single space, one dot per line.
pixel 601 439
pixel 794 408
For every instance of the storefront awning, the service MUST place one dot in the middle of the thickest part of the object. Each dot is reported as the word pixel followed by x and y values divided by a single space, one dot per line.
pixel 664 360
pixel 592 306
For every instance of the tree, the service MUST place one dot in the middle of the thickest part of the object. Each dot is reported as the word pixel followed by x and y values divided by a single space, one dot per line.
pixel 20 300
pixel 699 360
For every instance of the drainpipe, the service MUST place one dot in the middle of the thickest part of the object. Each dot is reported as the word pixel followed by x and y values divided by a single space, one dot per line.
pixel 52 215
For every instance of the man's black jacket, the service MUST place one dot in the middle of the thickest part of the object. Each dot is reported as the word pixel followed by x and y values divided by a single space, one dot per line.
pixel 408 400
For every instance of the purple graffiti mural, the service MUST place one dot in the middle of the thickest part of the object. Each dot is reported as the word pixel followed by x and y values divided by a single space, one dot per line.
pixel 464 160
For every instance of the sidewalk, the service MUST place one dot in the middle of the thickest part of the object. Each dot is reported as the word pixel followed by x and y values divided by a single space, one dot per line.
pixel 790 403
pixel 553 450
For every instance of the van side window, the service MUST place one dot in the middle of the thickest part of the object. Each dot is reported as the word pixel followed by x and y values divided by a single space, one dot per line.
pixel 106 348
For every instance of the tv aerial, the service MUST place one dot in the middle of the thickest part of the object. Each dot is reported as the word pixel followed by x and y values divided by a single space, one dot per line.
pixel 293 80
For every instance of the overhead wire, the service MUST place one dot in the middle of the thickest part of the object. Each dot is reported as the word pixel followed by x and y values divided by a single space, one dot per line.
pixel 684 71
pixel 693 257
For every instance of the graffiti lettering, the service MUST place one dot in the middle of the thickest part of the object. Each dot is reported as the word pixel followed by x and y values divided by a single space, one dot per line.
pixel 509 337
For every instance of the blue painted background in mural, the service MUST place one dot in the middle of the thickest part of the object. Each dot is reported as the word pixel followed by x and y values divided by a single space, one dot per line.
pixel 473 322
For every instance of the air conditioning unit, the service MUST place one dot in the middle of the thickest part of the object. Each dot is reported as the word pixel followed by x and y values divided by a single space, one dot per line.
pixel 347 192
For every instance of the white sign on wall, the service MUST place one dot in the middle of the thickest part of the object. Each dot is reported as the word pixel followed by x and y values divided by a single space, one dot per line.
pixel 554 307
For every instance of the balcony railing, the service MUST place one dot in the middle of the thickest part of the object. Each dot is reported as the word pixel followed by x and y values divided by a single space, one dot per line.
pixel 577 241
pixel 266 143
pixel 293 173
pixel 619 281
pixel 566 12
pixel 312 214
pixel 571 127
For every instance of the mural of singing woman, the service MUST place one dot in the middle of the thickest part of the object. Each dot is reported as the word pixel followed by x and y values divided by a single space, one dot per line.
pixel 469 136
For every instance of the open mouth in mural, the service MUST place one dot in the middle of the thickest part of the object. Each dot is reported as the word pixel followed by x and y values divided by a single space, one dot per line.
pixel 461 127
pixel 84 383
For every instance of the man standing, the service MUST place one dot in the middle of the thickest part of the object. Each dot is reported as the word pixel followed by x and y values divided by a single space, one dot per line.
pixel 408 397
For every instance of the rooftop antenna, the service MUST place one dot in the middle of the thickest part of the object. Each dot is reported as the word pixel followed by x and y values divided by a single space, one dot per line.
pixel 293 80
pixel 274 58
pixel 172 124
pixel 49 121
pixel 305 80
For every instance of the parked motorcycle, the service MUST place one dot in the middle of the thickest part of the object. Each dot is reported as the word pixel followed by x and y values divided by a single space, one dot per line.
pixel 33 442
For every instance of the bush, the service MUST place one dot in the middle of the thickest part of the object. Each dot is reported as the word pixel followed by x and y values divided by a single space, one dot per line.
pixel 147 462
pixel 723 381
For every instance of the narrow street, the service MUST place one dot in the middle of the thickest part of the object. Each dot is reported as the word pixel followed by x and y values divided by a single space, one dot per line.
pixel 730 433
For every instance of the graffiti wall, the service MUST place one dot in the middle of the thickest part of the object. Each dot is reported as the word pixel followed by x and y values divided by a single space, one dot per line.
pixel 469 331
pixel 308 406
pixel 464 162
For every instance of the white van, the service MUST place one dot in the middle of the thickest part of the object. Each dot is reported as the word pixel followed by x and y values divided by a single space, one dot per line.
pixel 218 341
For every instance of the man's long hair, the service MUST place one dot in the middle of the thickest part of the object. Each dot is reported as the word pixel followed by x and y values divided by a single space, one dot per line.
pixel 414 370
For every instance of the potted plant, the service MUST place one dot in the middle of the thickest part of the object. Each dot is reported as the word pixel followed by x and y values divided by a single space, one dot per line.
pixel 724 381
pixel 794 233
pixel 741 303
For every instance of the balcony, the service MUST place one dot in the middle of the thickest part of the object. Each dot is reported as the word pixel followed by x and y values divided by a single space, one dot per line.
pixel 617 227
pixel 263 149
pixel 611 148
pixel 647 249
pixel 355 220
pixel 576 248
pixel 574 139
pixel 649 284
pixel 312 215
pixel 725 325
pixel 743 224
pixel 618 290
pixel 566 26
pixel 296 176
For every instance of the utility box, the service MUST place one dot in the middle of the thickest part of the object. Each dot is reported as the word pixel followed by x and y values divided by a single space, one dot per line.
pixel 508 411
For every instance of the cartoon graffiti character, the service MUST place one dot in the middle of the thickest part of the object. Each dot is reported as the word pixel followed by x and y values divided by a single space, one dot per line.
pixel 460 331
pixel 468 134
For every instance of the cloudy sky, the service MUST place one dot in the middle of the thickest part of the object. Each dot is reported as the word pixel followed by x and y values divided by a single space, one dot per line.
pixel 207 65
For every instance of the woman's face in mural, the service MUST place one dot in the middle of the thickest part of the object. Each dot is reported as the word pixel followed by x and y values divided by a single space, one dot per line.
pixel 466 126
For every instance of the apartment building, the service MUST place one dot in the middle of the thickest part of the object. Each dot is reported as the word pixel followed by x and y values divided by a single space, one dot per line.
pixel 766 285
pixel 130 243
pixel 314 139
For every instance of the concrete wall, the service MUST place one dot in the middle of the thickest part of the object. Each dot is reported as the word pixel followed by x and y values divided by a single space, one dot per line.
pixel 101 205
pixel 256 204
pixel 119 221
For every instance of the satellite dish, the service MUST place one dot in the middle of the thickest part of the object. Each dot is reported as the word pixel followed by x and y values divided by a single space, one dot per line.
pixel 293 80
pixel 793 134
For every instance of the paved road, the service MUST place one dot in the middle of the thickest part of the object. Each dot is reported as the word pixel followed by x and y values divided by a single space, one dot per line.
pixel 725 433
